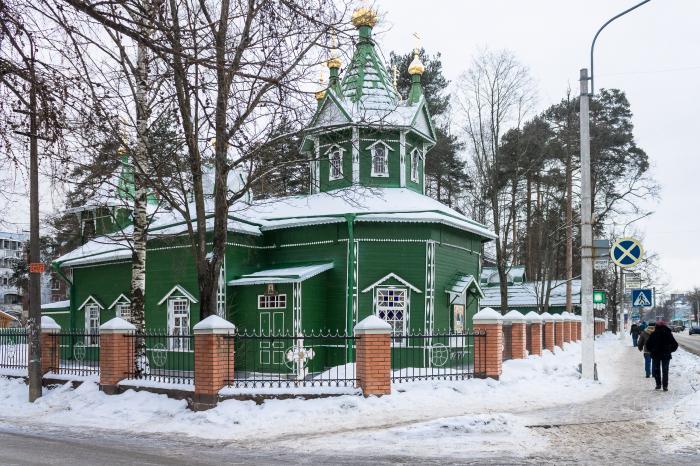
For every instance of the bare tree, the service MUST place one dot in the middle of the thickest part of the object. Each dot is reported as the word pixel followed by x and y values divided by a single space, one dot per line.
pixel 493 95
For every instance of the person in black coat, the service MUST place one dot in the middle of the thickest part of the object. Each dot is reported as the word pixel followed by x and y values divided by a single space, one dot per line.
pixel 660 345
pixel 635 331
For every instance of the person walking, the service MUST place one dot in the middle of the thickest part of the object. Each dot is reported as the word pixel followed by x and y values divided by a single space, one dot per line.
pixel 634 331
pixel 661 344
pixel 642 346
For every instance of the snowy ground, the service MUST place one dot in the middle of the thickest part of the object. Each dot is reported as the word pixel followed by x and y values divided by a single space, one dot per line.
pixel 538 407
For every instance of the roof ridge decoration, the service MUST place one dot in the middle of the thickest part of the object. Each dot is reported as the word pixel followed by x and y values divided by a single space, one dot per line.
pixel 390 276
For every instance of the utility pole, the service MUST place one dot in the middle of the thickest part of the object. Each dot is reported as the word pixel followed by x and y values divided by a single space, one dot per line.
pixel 35 375
pixel 587 347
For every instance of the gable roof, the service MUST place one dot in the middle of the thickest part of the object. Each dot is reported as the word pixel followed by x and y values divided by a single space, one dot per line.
pixel 291 274
pixel 460 283
pixel 122 297
pixel 391 276
pixel 94 300
pixel 180 292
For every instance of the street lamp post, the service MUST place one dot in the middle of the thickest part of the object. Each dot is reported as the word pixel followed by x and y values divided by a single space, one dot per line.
pixel 587 346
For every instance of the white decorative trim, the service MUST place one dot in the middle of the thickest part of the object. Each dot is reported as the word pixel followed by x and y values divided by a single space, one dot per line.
pixel 402 160
pixel 182 292
pixel 355 155
pixel 417 162
pixel 393 240
pixel 334 143
pixel 372 148
pixel 296 308
pixel 389 276
pixel 429 286
pixel 355 284
pixel 93 299
pixel 310 243
pixel 121 298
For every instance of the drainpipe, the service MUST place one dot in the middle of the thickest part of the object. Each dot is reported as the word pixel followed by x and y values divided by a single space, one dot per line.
pixel 350 218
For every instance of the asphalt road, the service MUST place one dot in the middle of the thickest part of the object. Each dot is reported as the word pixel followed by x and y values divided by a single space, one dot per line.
pixel 689 342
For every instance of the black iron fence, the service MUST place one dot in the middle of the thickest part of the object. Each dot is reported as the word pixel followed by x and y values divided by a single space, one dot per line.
pixel 290 361
pixel 14 352
pixel 437 356
pixel 161 357
pixel 78 352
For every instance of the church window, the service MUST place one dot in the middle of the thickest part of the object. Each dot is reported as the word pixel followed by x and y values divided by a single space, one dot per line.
pixel 272 301
pixel 336 164
pixel 179 323
pixel 391 307
pixel 92 324
pixel 123 310
pixel 415 163
pixel 380 165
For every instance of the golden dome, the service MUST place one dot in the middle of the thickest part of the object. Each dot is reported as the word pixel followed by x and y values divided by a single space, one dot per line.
pixel 320 94
pixel 364 16
pixel 416 66
pixel 334 62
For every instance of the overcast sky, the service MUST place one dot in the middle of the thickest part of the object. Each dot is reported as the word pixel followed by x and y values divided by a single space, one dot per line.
pixel 653 54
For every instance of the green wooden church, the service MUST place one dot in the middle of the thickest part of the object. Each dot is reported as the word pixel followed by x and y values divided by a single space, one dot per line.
pixel 366 239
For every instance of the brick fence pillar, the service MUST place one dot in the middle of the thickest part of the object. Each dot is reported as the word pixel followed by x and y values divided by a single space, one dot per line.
pixel 518 335
pixel 534 322
pixel 116 353
pixel 213 360
pixel 566 317
pixel 548 329
pixel 558 330
pixel 488 350
pixel 373 356
pixel 50 349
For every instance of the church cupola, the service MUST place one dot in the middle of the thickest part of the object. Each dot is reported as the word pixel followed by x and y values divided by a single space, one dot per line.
pixel 363 133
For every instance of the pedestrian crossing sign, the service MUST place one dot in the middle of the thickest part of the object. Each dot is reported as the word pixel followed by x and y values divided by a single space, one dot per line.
pixel 642 297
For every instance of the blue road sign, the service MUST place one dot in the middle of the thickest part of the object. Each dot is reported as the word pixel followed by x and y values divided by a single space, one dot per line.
pixel 642 297
pixel 626 252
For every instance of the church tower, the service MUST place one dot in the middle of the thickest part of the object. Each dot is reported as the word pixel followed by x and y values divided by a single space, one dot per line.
pixel 364 133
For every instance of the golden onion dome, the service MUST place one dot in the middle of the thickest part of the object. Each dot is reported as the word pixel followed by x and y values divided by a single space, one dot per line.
pixel 320 94
pixel 334 62
pixel 364 16
pixel 416 66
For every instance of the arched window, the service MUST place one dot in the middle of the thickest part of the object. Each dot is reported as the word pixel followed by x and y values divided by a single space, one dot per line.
pixel 380 165
pixel 335 158
pixel 415 164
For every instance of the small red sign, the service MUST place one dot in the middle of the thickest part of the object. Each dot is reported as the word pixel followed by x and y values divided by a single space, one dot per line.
pixel 37 267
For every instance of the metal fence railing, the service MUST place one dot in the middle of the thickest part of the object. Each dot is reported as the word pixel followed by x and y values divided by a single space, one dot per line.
pixel 291 361
pixel 165 358
pixel 14 353
pixel 436 356
pixel 78 352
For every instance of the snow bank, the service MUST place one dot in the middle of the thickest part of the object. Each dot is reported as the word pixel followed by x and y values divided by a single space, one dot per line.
pixel 472 407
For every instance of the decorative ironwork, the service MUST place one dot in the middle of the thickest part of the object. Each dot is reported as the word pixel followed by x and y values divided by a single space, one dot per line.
pixel 13 348
pixel 436 356
pixel 168 358
pixel 78 352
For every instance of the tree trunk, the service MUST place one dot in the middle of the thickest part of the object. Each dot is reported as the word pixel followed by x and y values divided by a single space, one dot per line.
pixel 500 253
pixel 140 219
pixel 528 225
pixel 569 266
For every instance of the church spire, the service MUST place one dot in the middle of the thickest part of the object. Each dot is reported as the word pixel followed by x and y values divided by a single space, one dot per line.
pixel 416 69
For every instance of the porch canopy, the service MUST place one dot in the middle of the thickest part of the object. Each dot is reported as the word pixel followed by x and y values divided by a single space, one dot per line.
pixel 459 285
pixel 291 274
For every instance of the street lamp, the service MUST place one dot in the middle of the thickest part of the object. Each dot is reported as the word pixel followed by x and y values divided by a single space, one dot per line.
pixel 587 346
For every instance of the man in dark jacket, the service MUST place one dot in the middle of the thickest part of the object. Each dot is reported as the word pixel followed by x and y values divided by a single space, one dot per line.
pixel 660 345
pixel 634 331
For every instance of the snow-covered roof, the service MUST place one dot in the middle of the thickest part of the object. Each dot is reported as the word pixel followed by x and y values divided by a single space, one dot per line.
pixel 56 305
pixel 526 294
pixel 490 274
pixel 7 316
pixel 289 274
pixel 460 283
pixel 369 204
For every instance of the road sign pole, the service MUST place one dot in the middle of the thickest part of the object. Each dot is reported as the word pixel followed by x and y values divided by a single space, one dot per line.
pixel 587 345
pixel 621 307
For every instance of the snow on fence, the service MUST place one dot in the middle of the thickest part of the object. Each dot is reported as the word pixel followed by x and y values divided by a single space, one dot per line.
pixel 435 356
pixel 14 353
pixel 285 361
pixel 167 358
pixel 79 352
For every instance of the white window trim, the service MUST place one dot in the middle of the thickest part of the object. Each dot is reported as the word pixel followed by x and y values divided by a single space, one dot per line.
pixel 335 148
pixel 273 307
pixel 118 310
pixel 387 149
pixel 171 322
pixel 407 298
pixel 90 337
pixel 415 165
